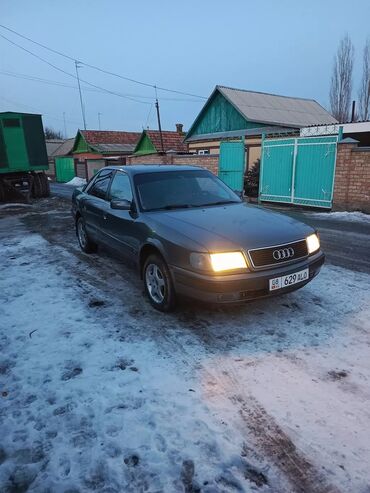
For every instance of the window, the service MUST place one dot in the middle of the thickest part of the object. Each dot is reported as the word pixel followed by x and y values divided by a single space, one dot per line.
pixel 11 122
pixel 121 187
pixel 181 189
pixel 203 152
pixel 100 185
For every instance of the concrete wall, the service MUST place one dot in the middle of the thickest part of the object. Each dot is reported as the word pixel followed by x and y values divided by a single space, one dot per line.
pixel 209 162
pixel 352 178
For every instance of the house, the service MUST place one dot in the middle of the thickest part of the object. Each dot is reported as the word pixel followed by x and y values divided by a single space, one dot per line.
pixel 94 149
pixel 152 142
pixel 56 149
pixel 234 113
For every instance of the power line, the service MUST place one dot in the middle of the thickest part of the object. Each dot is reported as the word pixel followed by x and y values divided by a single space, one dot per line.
pixel 33 108
pixel 69 74
pixel 135 81
pixel 18 75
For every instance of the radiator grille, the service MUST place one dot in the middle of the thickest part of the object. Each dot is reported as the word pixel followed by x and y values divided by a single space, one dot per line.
pixel 264 257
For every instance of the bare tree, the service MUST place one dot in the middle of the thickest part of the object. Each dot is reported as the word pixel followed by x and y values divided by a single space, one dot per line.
pixel 50 133
pixel 341 80
pixel 364 92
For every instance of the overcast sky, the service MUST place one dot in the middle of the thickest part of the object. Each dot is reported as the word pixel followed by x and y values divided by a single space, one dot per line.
pixel 279 46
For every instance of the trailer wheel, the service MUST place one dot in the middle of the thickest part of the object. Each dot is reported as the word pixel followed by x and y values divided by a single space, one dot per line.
pixel 45 187
pixel 37 186
pixel 2 191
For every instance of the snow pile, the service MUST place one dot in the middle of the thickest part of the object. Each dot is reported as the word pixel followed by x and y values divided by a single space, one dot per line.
pixel 343 216
pixel 77 182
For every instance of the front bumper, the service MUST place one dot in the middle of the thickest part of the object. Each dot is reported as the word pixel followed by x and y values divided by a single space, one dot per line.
pixel 235 288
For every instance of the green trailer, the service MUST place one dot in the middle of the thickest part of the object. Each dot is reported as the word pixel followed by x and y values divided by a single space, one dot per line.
pixel 23 156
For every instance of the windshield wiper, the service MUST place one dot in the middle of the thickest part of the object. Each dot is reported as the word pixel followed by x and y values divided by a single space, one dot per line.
pixel 173 206
pixel 219 202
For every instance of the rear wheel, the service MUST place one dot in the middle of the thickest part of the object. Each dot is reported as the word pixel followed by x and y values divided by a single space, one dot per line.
pixel 86 244
pixel 2 191
pixel 45 187
pixel 36 186
pixel 158 283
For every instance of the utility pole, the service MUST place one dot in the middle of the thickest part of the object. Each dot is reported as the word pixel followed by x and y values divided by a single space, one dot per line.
pixel 99 120
pixel 159 119
pixel 65 126
pixel 78 65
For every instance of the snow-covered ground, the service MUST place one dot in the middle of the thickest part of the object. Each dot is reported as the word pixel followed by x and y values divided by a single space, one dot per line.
pixel 99 392
pixel 342 216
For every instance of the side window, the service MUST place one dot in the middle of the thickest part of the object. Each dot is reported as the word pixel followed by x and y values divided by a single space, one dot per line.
pixel 121 187
pixel 101 183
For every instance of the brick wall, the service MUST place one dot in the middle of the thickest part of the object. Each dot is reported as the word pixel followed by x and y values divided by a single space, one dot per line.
pixel 352 178
pixel 209 162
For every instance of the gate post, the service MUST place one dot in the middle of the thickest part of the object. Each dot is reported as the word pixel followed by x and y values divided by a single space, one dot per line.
pixel 293 170
pixel 261 169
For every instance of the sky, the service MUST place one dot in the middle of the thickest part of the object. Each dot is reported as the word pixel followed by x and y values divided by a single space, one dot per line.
pixel 279 46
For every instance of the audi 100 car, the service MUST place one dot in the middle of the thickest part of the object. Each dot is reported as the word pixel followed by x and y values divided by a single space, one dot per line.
pixel 190 235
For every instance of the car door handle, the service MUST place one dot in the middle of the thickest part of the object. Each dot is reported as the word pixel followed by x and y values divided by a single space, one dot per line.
pixel 105 217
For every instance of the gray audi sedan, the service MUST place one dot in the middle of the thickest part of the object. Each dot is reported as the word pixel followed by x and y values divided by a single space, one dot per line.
pixel 190 235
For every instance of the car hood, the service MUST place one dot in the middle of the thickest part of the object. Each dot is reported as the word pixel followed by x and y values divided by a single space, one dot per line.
pixel 234 226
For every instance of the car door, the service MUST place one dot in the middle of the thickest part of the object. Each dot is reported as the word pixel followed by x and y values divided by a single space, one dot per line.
pixel 94 203
pixel 121 228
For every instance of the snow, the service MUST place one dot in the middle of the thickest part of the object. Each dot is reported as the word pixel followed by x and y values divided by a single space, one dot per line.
pixel 14 205
pixel 102 393
pixel 342 216
pixel 77 182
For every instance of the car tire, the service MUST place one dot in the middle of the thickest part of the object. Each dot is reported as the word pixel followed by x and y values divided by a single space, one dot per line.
pixel 84 241
pixel 158 283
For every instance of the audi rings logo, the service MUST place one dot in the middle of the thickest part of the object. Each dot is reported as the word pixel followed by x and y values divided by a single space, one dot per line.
pixel 283 253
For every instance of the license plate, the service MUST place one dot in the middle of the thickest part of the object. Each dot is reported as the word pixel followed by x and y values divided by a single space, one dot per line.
pixel 289 280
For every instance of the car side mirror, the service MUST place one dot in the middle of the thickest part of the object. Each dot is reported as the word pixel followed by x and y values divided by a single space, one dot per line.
pixel 121 204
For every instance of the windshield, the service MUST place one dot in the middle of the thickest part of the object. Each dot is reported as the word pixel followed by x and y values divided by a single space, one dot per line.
pixel 181 189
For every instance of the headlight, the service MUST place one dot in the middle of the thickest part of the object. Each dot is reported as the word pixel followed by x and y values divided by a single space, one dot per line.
pixel 313 243
pixel 218 262
pixel 227 261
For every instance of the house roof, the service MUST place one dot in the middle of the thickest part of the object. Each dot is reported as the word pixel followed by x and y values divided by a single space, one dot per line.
pixel 172 141
pixel 52 145
pixel 93 137
pixel 104 141
pixel 270 109
pixel 64 148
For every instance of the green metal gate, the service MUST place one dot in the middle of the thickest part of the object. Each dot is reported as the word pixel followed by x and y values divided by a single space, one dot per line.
pixel 298 170
pixel 64 169
pixel 232 163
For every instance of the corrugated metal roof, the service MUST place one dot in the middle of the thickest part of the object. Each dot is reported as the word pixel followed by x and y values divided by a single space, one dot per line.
pixel 274 109
pixel 114 147
pixel 64 149
pixel 52 145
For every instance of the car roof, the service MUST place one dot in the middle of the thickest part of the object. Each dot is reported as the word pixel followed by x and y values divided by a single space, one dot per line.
pixel 154 168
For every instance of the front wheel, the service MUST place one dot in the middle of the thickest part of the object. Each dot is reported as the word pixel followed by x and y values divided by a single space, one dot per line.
pixel 86 244
pixel 158 284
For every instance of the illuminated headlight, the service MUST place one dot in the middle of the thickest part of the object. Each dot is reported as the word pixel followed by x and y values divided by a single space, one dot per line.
pixel 228 261
pixel 313 243
pixel 218 262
